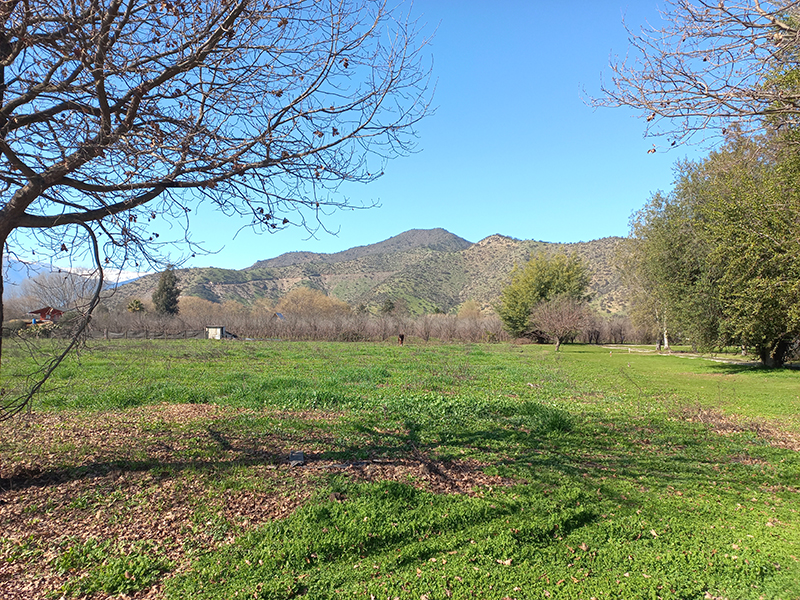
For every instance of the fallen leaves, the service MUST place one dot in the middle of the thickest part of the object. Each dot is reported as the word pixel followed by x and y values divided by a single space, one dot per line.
pixel 130 475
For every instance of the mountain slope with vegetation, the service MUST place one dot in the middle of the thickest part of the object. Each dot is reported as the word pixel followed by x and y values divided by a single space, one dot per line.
pixel 419 271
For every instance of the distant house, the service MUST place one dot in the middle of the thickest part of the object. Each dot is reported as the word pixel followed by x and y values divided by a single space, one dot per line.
pixel 48 313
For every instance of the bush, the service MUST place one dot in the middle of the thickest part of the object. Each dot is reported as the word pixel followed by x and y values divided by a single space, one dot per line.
pixel 13 327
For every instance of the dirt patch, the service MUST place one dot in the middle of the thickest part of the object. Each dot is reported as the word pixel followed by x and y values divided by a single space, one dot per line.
pixel 724 424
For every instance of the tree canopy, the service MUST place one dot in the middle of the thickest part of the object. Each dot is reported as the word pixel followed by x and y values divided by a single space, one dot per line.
pixel 165 298
pixel 719 258
pixel 715 261
pixel 542 278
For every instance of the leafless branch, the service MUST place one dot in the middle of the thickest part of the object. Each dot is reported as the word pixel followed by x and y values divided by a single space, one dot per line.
pixel 713 65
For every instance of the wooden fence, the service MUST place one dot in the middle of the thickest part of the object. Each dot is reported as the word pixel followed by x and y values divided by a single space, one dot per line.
pixel 148 334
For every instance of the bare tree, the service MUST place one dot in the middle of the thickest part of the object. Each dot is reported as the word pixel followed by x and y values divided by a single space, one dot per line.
pixel 713 64
pixel 65 291
pixel 619 329
pixel 561 318
pixel 119 115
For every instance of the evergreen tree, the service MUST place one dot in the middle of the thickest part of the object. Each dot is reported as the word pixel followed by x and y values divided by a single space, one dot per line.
pixel 165 298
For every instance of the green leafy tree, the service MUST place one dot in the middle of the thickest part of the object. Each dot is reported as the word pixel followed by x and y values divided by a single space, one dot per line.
pixel 165 298
pixel 387 307
pixel 749 216
pixel 718 260
pixel 135 306
pixel 666 272
pixel 543 277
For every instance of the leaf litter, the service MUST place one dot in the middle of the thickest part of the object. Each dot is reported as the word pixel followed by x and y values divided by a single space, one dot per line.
pixel 130 476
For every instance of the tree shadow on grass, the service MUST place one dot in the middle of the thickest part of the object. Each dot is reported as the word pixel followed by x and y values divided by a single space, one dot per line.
pixel 543 448
pixel 160 457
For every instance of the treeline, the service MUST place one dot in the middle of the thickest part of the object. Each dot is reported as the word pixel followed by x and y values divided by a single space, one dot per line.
pixel 304 314
pixel 255 323
pixel 716 262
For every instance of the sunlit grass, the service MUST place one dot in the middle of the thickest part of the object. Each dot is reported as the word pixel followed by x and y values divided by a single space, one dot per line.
pixel 591 476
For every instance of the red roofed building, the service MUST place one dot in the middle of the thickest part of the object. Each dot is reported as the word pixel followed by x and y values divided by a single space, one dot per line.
pixel 48 313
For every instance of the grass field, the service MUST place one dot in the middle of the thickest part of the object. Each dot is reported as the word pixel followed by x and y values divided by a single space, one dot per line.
pixel 160 469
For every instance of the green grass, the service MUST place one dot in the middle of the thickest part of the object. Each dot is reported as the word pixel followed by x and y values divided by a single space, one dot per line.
pixel 104 566
pixel 591 479
pixel 393 540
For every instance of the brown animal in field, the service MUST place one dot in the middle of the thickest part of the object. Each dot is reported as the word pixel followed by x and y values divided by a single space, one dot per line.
pixel 400 339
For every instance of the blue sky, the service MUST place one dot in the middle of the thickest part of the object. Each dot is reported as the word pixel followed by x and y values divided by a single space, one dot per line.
pixel 513 147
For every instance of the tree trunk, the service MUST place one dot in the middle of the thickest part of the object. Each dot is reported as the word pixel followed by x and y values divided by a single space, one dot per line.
pixel 558 344
pixel 773 356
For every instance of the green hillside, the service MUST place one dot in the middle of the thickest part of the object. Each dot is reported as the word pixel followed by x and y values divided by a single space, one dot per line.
pixel 421 270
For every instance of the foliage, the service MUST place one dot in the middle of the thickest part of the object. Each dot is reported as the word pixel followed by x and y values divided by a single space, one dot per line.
pixel 306 302
pixel 165 298
pixel 469 310
pixel 135 306
pixel 387 307
pixel 666 271
pixel 542 278
pixel 14 327
pixel 750 216
pixel 717 259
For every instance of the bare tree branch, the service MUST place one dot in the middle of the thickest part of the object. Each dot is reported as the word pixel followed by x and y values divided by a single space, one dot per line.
pixel 115 114
pixel 713 65
pixel 10 407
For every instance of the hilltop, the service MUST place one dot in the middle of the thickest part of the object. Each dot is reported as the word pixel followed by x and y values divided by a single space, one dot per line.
pixel 428 270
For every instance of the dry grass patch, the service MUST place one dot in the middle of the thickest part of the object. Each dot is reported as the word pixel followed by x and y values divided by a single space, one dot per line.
pixel 771 431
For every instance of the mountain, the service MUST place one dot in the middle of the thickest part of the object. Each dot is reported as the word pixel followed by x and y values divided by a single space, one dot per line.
pixel 16 271
pixel 438 239
pixel 426 270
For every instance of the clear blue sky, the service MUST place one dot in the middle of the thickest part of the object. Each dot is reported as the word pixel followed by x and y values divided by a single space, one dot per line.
pixel 512 148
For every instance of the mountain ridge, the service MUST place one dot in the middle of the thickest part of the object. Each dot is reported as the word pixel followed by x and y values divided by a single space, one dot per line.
pixel 423 270
pixel 443 240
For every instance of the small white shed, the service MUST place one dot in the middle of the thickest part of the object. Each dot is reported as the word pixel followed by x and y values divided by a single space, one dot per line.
pixel 215 333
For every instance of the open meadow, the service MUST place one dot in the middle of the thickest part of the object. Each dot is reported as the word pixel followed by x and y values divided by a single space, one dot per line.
pixel 160 469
